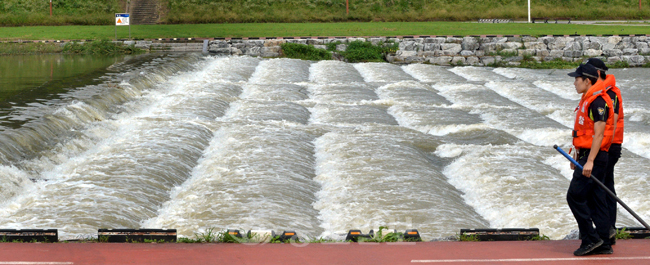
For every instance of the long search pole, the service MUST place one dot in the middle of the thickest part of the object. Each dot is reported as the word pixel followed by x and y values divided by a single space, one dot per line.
pixel 347 7
pixel 603 186
pixel 528 11
pixel 51 7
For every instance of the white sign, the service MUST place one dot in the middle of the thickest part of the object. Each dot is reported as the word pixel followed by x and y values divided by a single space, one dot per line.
pixel 121 19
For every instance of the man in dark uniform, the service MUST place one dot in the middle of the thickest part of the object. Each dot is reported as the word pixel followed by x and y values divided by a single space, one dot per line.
pixel 592 136
pixel 614 152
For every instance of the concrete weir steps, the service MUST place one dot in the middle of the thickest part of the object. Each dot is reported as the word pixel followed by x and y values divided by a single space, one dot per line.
pixel 144 12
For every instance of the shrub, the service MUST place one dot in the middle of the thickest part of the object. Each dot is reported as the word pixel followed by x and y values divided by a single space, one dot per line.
pixel 361 51
pixel 305 52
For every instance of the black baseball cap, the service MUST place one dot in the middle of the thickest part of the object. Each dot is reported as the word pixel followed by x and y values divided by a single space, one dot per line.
pixel 587 70
pixel 598 63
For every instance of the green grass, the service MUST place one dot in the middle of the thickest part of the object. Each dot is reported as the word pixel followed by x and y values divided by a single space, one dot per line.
pixel 77 12
pixel 311 29
pixel 229 11
pixel 100 12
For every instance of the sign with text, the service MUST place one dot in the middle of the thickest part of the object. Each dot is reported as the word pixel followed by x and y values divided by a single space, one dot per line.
pixel 121 19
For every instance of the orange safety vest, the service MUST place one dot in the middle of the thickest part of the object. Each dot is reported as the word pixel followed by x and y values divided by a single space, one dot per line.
pixel 610 84
pixel 583 129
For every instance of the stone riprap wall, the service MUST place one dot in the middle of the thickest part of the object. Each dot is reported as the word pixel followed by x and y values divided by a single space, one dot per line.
pixel 472 50
pixel 512 50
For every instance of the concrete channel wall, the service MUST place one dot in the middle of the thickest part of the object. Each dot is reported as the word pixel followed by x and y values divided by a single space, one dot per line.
pixel 470 50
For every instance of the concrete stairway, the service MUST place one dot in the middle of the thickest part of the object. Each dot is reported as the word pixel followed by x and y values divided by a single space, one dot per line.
pixel 144 12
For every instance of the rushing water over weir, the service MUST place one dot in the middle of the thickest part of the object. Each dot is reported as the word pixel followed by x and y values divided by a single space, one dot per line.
pixel 192 143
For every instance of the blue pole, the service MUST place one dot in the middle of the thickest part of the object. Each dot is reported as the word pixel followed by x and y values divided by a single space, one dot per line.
pixel 603 186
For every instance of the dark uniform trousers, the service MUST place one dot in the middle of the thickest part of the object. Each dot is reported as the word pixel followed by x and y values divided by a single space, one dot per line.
pixel 588 203
pixel 614 154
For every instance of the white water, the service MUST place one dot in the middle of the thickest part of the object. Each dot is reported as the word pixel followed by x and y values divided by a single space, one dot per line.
pixel 318 147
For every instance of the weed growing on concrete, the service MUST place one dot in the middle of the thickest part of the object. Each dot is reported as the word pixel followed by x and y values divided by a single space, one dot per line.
pixel 540 238
pixel 154 240
pixel 466 237
pixel 622 234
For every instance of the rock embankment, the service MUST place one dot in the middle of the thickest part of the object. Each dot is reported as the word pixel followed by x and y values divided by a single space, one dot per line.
pixel 470 50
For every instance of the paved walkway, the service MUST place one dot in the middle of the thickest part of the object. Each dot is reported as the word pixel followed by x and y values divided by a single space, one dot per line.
pixel 513 252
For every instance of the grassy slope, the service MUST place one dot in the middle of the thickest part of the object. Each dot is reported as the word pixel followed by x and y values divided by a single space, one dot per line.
pixel 98 12
pixel 312 29
pixel 218 11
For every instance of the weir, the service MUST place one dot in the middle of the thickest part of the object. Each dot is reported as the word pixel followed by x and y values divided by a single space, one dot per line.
pixel 193 142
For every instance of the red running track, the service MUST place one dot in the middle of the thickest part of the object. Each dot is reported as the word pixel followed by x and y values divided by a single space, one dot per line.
pixel 512 252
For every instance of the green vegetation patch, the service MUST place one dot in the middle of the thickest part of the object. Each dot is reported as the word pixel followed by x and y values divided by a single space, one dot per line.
pixel 470 238
pixel 29 48
pixel 357 51
pixel 305 52
pixel 622 234
pixel 103 47
pixel 362 51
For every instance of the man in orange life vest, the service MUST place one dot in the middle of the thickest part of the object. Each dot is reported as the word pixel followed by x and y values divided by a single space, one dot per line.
pixel 592 137
pixel 615 149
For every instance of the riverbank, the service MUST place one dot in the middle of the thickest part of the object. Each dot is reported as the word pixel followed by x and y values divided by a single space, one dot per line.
pixel 549 52
pixel 101 12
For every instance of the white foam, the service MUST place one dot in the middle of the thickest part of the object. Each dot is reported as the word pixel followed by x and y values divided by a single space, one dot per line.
pixel 382 72
pixel 281 71
pixel 14 182
pixel 370 179
pixel 507 186
pixel 478 74
pixel 638 115
pixel 564 89
pixel 334 72
pixel 122 178
pixel 431 73
pixel 637 142
pixel 250 176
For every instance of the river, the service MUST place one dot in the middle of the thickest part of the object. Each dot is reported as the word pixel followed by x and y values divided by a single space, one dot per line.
pixel 191 142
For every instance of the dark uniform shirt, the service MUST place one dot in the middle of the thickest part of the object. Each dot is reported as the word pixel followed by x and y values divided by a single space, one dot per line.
pixel 614 100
